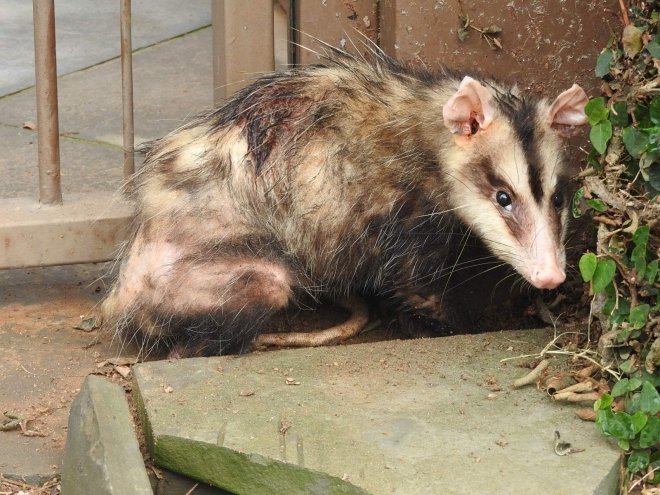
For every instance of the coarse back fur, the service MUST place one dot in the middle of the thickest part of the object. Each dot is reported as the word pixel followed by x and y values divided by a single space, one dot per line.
pixel 326 180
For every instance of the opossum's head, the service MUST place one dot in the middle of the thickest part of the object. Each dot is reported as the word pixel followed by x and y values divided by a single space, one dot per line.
pixel 509 174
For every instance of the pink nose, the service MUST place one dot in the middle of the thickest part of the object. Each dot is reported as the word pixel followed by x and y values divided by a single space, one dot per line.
pixel 548 278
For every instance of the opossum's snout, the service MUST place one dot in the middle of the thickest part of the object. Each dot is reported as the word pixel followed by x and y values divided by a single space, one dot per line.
pixel 545 268
pixel 547 276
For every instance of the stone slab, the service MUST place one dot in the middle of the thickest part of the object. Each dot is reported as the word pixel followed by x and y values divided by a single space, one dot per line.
pixel 88 33
pixel 399 417
pixel 102 455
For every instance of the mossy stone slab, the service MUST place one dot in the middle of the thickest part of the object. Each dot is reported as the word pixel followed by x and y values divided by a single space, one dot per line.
pixel 102 455
pixel 397 417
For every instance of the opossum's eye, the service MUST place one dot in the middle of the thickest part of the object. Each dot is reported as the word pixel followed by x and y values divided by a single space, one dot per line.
pixel 558 200
pixel 504 200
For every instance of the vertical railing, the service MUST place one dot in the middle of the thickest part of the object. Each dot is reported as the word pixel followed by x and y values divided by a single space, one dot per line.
pixel 127 87
pixel 48 136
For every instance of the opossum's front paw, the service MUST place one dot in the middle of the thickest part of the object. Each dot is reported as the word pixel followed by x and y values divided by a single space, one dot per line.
pixel 431 306
pixel 422 315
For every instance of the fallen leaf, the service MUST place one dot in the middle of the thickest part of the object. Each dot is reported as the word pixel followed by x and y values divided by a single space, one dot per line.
pixel 564 448
pixel 631 40
pixel 88 324
pixel 586 414
pixel 122 360
pixel 124 371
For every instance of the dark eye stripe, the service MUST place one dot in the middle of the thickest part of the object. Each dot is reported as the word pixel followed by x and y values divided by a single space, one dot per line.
pixel 522 113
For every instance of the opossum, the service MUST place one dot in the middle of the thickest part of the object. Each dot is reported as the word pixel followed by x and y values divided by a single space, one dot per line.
pixel 351 176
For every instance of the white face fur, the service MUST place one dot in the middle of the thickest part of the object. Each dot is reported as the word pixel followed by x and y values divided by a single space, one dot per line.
pixel 509 174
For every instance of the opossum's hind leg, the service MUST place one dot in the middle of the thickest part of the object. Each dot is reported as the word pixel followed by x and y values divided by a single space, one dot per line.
pixel 196 305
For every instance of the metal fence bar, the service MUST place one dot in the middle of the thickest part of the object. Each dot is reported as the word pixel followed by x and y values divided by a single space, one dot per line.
pixel 48 139
pixel 127 87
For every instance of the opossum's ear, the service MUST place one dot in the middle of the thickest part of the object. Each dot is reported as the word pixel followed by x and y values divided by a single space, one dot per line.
pixel 567 111
pixel 471 104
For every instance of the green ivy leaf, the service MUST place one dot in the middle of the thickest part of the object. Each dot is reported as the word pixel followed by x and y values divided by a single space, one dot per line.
pixel 575 203
pixel 650 434
pixel 620 426
pixel 641 235
pixel 638 461
pixel 597 204
pixel 603 63
pixel 653 48
pixel 603 419
pixel 639 420
pixel 603 275
pixel 638 316
pixel 600 135
pixel 604 402
pixel 628 366
pixel 652 271
pixel 596 110
pixel 620 387
pixel 635 141
pixel 654 110
pixel 587 265
pixel 642 116
pixel 638 257
pixel 619 114
pixel 625 385
pixel 624 444
pixel 649 399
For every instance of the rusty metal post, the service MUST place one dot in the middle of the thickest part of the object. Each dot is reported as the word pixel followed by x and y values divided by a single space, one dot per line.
pixel 48 134
pixel 242 44
pixel 127 87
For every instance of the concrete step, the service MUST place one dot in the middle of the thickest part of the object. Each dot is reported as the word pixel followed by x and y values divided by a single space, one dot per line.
pixel 398 417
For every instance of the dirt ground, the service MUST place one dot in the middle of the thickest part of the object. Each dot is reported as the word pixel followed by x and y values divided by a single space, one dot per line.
pixel 43 360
